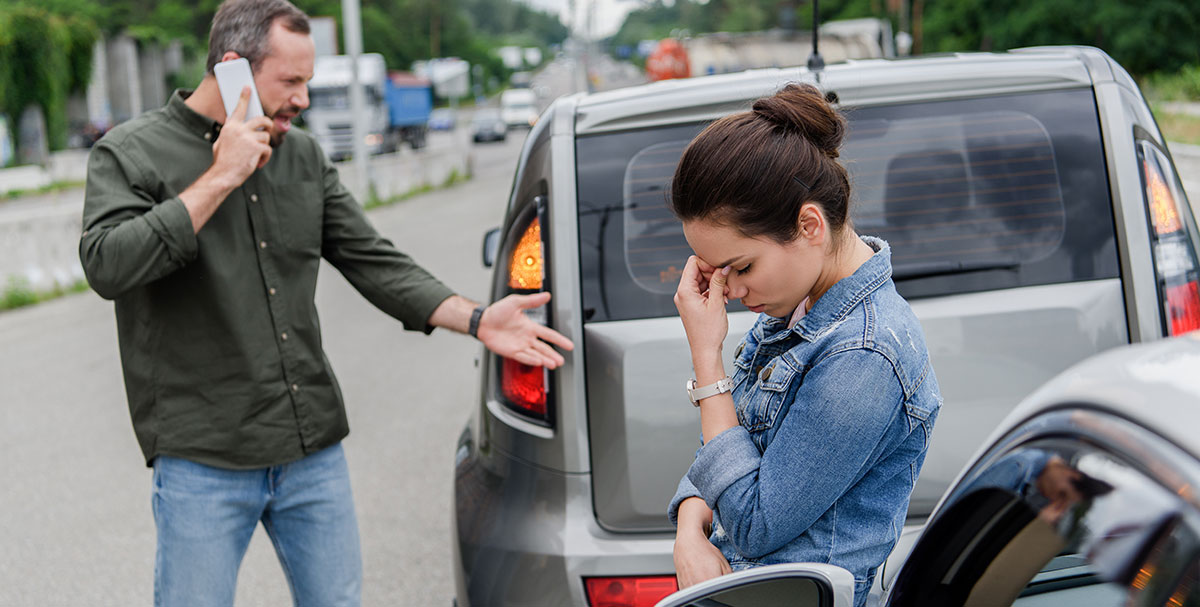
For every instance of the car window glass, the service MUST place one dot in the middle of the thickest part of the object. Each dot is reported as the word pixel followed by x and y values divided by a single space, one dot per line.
pixel 1062 524
pixel 654 245
pixel 972 194
pixel 1186 592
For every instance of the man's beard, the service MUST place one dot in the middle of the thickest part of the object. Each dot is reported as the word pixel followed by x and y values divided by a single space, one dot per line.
pixel 277 136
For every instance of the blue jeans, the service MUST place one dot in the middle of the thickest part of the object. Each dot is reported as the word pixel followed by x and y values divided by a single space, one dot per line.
pixel 205 517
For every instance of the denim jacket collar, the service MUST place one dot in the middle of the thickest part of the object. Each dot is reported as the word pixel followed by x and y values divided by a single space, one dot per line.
pixel 833 306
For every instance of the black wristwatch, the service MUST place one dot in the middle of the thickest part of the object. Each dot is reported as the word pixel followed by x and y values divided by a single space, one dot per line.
pixel 473 326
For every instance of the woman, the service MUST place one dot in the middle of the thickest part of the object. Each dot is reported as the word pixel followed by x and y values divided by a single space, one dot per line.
pixel 813 455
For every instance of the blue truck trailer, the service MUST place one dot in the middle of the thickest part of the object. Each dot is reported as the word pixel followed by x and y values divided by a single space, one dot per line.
pixel 409 102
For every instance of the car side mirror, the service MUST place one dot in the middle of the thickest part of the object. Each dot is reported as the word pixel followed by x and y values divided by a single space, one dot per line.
pixel 491 247
pixel 786 585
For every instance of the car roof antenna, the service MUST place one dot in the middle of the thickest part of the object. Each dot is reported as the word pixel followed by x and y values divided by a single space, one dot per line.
pixel 816 63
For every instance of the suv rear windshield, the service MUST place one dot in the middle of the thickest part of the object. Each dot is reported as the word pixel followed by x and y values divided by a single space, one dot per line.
pixel 972 195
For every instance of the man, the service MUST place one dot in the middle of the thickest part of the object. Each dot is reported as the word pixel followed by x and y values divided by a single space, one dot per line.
pixel 208 233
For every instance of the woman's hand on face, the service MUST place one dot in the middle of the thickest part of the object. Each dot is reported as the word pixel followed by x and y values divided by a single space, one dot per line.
pixel 701 301
pixel 696 559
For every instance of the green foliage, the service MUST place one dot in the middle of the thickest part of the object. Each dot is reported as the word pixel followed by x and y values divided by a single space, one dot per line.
pixel 43 58
pixel 81 38
pixel 656 19
pixel 46 45
pixel 35 58
pixel 1145 37
pixel 17 293
pixel 1181 86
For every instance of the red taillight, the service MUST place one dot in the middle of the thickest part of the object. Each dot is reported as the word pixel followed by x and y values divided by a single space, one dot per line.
pixel 1183 307
pixel 1174 252
pixel 641 591
pixel 524 387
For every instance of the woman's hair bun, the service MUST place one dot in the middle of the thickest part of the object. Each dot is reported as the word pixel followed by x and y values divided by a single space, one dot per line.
pixel 804 109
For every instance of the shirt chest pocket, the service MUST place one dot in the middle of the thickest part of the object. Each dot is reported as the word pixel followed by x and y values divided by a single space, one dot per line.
pixel 764 393
pixel 296 211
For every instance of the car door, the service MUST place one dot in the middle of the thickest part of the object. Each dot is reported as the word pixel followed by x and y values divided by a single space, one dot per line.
pixel 1075 507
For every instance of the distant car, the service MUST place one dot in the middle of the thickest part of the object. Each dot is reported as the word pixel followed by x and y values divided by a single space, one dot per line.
pixel 1035 218
pixel 443 119
pixel 1084 496
pixel 488 125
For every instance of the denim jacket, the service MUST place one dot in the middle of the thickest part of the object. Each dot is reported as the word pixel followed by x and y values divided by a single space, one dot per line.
pixel 835 417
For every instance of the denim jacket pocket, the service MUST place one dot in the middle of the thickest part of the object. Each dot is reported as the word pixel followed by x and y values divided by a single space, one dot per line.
pixel 925 400
pixel 765 395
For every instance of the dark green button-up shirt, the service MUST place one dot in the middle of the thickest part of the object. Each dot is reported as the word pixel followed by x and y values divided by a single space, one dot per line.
pixel 219 336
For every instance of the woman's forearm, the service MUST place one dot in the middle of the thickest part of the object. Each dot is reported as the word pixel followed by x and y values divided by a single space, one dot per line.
pixel 694 516
pixel 717 413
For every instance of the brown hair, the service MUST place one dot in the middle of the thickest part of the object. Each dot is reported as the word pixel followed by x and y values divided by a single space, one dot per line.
pixel 754 170
pixel 244 26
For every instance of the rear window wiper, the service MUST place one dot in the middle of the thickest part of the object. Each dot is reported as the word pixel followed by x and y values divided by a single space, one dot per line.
pixel 944 268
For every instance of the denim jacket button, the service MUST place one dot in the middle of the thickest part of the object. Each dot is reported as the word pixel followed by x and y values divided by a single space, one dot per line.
pixel 738 352
pixel 766 374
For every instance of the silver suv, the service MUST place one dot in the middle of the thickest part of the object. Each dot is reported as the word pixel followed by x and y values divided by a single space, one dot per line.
pixel 1035 218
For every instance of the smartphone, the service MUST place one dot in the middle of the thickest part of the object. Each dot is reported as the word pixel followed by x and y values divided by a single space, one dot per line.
pixel 232 77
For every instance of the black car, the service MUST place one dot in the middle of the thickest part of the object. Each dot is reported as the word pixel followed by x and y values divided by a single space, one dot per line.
pixel 488 125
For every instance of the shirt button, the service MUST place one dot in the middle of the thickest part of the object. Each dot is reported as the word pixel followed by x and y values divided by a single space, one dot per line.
pixel 271 290
pixel 262 245
pixel 254 198
pixel 283 336
pixel 295 388
pixel 208 136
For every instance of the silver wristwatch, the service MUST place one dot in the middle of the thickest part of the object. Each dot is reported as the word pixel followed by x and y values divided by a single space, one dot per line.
pixel 698 394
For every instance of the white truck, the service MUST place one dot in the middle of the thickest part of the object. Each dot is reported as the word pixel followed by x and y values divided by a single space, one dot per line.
pixel 397 105
pixel 518 107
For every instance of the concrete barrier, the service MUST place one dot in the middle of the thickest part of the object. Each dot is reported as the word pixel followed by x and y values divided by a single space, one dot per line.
pixel 67 165
pixel 407 170
pixel 39 234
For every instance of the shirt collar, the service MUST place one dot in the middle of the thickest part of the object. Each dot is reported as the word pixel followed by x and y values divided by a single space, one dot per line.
pixel 193 121
pixel 846 293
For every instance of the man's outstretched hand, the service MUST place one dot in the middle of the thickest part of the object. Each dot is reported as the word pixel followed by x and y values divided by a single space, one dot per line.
pixel 506 330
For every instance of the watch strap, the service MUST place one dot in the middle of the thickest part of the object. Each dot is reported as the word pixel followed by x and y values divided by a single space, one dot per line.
pixel 473 326
pixel 697 394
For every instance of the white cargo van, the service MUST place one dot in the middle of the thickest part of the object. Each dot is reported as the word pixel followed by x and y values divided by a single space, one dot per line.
pixel 519 107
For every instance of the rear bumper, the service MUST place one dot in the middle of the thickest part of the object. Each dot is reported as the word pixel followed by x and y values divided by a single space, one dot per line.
pixel 527 536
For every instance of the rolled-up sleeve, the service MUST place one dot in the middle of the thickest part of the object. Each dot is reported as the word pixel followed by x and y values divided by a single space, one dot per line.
pixel 826 442
pixel 129 239
pixel 685 490
pixel 389 279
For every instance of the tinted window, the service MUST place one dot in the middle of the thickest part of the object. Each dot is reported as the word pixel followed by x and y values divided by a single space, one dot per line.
pixel 973 195
pixel 1060 522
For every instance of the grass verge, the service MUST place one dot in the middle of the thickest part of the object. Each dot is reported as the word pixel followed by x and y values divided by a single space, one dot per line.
pixel 454 178
pixel 46 189
pixel 1183 128
pixel 18 294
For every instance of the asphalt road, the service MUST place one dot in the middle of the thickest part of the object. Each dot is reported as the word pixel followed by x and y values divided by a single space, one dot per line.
pixel 75 520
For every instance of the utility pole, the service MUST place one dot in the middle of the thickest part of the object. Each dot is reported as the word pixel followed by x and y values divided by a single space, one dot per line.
pixel 352 31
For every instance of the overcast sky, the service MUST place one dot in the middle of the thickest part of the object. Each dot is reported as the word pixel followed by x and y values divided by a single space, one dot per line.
pixel 605 21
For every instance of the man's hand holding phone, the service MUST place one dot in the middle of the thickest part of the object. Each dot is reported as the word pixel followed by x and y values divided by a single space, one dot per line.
pixel 243 146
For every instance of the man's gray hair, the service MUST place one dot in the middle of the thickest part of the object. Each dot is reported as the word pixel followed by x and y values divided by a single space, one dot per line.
pixel 243 26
